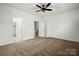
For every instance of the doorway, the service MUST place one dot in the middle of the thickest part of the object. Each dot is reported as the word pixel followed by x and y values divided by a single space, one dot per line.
pixel 36 29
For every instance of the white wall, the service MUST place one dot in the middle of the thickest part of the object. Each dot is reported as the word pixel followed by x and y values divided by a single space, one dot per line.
pixel 6 24
pixel 64 25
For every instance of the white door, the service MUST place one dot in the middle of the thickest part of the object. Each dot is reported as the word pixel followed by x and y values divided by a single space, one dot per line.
pixel 42 29
pixel 17 29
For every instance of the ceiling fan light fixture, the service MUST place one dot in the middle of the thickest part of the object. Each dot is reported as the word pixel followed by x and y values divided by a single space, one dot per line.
pixel 44 13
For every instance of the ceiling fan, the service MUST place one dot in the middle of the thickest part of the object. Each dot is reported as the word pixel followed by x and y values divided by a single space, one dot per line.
pixel 44 8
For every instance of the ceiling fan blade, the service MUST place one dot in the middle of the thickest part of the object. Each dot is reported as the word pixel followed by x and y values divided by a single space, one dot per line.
pixel 38 10
pixel 48 5
pixel 38 6
pixel 48 9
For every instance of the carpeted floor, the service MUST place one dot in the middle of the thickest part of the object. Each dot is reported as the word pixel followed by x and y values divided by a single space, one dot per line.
pixel 41 47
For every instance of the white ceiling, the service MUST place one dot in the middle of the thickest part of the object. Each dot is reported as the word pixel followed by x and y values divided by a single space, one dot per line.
pixel 57 7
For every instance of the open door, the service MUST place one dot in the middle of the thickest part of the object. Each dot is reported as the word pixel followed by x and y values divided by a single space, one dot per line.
pixel 42 29
pixel 17 29
pixel 36 29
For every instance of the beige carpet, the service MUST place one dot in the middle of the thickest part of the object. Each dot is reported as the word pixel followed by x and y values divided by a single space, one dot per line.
pixel 41 47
